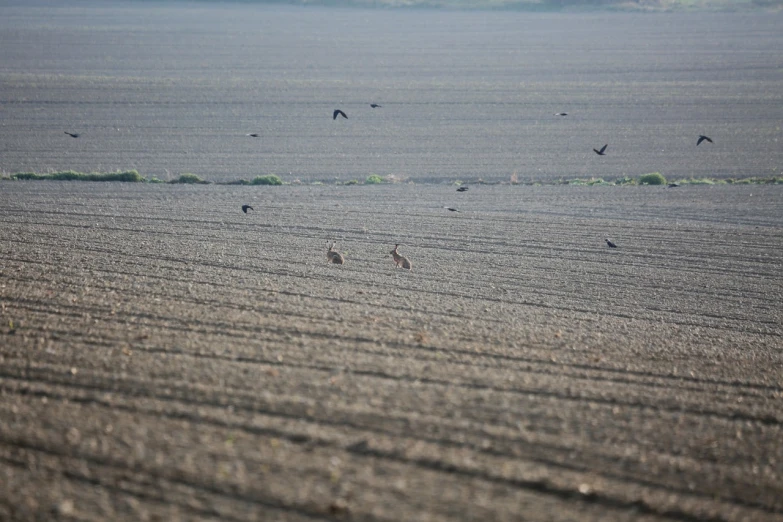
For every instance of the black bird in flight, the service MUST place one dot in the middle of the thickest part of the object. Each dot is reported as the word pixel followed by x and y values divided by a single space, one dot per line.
pixel 254 135
pixel 611 245
pixel 561 114
pixel 72 134
pixel 601 152
pixel 245 207
pixel 462 189
pixel 702 137
pixel 451 209
pixel 338 112
pixel 375 106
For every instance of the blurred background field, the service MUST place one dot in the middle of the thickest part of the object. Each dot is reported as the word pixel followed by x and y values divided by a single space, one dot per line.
pixel 172 89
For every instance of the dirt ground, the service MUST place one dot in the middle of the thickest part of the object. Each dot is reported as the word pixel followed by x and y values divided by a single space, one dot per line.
pixel 164 356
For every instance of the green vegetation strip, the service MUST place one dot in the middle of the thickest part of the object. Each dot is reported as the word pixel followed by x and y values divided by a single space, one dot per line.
pixel 132 176
pixel 70 175
pixel 656 178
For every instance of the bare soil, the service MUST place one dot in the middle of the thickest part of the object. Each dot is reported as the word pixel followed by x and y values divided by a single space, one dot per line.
pixel 164 356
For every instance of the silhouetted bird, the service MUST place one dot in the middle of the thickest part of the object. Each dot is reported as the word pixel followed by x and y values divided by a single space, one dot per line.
pixel 462 189
pixel 611 245
pixel 375 106
pixel 561 114
pixel 337 113
pixel 702 137
pixel 601 152
pixel 451 209
pixel 72 134
pixel 245 207
pixel 254 135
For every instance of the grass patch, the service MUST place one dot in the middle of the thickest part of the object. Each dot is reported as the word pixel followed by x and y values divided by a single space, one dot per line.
pixel 374 179
pixel 697 181
pixel 756 181
pixel 190 179
pixel 130 176
pixel 581 182
pixel 653 178
pixel 269 179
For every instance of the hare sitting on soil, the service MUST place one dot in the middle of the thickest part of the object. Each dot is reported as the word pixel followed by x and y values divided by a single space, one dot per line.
pixel 400 261
pixel 333 256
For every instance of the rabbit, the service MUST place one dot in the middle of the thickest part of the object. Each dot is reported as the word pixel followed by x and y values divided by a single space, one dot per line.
pixel 400 261
pixel 333 256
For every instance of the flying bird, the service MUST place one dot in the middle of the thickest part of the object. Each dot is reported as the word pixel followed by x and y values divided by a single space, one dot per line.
pixel 561 114
pixel 245 207
pixel 462 189
pixel 702 137
pixel 72 134
pixel 338 112
pixel 451 209
pixel 254 135
pixel 611 245
pixel 375 106
pixel 601 152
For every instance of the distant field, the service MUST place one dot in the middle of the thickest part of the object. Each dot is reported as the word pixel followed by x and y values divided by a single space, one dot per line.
pixel 166 90
pixel 547 5
pixel 164 356
pixel 556 5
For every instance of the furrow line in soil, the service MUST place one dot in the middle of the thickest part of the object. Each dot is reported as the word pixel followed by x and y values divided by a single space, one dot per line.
pixel 559 484
pixel 572 395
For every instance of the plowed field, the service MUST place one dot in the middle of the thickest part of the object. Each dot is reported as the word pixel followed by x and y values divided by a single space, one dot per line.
pixel 164 356
pixel 174 88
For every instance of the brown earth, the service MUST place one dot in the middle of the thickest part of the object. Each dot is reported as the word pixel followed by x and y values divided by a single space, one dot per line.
pixel 166 357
